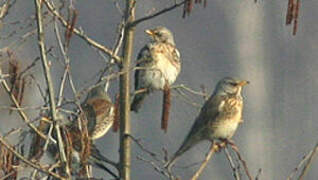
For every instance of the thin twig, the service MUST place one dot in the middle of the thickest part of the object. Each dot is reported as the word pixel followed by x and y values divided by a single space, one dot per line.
pixel 187 99
pixel 20 111
pixel 81 34
pixel 212 150
pixel 49 82
pixel 184 87
pixel 157 168
pixel 152 154
pixel 18 155
pixel 235 149
pixel 301 163
pixel 307 165
pixel 66 59
pixel 117 46
pixel 234 169
pixel 136 22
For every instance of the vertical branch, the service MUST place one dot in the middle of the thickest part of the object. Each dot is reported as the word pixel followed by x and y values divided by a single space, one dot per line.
pixel 235 170
pixel 49 82
pixel 125 144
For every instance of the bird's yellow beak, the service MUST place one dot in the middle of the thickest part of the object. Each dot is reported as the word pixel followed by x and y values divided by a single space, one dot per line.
pixel 150 32
pixel 243 83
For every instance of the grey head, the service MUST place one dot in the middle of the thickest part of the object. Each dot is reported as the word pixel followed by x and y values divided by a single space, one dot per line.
pixel 98 92
pixel 161 34
pixel 230 86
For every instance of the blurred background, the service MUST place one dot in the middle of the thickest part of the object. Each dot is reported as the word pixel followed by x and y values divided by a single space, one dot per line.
pixel 227 38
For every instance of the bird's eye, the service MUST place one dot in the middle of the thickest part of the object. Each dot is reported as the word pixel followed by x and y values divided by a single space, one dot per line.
pixel 158 34
pixel 233 83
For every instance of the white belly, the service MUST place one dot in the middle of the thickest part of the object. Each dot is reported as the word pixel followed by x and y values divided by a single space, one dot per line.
pixel 157 75
pixel 225 130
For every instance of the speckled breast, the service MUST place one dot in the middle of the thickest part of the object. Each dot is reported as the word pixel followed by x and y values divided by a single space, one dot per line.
pixel 165 66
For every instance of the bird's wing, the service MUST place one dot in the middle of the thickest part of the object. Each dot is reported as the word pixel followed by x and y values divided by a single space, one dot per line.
pixel 142 58
pixel 209 112
pixel 176 55
pixel 89 114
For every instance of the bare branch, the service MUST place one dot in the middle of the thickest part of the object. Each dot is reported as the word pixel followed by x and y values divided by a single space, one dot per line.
pixel 4 9
pixel 236 173
pixel 81 33
pixel 235 149
pixel 117 46
pixel 308 157
pixel 157 168
pixel 10 148
pixel 49 82
pixel 20 111
pixel 187 99
pixel 136 22
pixel 212 150
pixel 137 141
pixel 184 87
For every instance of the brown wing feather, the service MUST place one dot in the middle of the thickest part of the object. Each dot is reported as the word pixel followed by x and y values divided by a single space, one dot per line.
pixel 209 112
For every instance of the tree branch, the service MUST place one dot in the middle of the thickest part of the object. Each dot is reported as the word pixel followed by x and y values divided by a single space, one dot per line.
pixel 236 173
pixel 81 34
pixel 9 147
pixel 235 149
pixel 136 22
pixel 213 149
pixel 49 82
pixel 18 108
pixel 307 165
pixel 124 91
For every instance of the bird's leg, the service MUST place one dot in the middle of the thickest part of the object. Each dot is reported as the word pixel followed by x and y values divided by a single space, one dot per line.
pixel 219 145
pixel 232 144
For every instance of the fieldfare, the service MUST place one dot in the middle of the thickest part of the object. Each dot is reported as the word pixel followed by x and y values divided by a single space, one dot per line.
pixel 98 115
pixel 80 151
pixel 219 117
pixel 158 64
pixel 98 109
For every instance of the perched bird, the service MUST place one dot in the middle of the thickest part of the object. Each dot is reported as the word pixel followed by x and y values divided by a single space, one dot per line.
pixel 159 63
pixel 98 109
pixel 80 151
pixel 98 114
pixel 219 117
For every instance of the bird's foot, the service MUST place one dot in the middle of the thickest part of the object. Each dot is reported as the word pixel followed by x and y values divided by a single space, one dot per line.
pixel 218 146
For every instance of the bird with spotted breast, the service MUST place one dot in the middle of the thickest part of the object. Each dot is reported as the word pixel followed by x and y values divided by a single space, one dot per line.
pixel 99 111
pixel 219 117
pixel 98 114
pixel 159 65
pixel 80 151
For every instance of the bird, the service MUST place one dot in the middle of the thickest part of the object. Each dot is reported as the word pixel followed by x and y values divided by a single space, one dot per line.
pixel 218 118
pixel 98 109
pixel 159 65
pixel 80 151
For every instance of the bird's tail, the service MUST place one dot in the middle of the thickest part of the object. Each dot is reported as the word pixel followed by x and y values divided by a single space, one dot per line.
pixel 103 167
pixel 98 160
pixel 138 99
pixel 188 143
